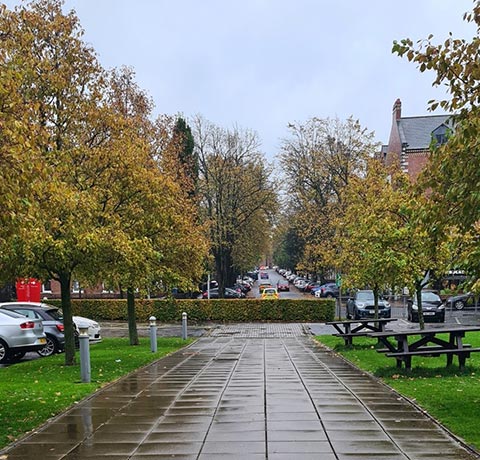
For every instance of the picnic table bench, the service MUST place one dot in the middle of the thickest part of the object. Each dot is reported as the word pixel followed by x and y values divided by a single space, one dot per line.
pixel 428 344
pixel 350 328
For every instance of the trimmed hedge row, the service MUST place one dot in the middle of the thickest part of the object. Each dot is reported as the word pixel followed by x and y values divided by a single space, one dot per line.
pixel 220 310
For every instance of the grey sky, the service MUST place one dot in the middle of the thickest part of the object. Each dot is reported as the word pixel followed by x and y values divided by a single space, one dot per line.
pixel 264 63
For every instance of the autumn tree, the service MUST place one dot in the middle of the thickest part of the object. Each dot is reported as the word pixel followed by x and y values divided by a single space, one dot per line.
pixel 453 174
pixel 59 84
pixel 237 195
pixel 318 159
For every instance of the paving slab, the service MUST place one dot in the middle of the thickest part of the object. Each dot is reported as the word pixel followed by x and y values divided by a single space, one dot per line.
pixel 244 392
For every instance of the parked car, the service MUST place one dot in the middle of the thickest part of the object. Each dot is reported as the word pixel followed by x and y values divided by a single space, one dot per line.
pixel 52 319
pixel 461 301
pixel 311 285
pixel 18 335
pixel 270 293
pixel 283 286
pixel 263 286
pixel 300 283
pixel 228 294
pixel 362 305
pixel 433 308
pixel 328 290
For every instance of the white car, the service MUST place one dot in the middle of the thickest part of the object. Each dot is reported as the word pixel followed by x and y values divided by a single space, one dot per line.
pixel 93 328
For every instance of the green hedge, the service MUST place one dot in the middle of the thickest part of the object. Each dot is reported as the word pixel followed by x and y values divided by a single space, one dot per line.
pixel 220 310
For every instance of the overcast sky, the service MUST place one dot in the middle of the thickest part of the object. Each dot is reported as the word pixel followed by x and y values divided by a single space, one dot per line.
pixel 264 63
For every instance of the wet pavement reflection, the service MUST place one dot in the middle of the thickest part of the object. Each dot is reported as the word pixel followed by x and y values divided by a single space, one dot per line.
pixel 228 397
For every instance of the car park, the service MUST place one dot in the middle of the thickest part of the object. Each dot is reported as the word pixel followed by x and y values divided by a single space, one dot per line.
pixel 362 305
pixel 19 335
pixel 433 308
pixel 461 301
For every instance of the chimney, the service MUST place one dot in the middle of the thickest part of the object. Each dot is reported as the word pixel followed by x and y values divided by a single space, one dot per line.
pixel 397 110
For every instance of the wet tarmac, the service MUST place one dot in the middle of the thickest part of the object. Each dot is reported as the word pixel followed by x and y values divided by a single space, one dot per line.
pixel 253 392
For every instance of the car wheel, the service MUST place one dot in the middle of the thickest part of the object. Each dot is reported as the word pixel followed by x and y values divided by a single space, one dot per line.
pixel 459 305
pixel 4 352
pixel 50 348
pixel 329 296
pixel 17 356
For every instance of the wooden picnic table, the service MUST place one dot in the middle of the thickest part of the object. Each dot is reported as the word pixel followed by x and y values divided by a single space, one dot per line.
pixel 428 344
pixel 350 328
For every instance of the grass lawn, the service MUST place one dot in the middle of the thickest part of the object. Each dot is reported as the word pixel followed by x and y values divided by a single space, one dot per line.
pixel 450 396
pixel 32 392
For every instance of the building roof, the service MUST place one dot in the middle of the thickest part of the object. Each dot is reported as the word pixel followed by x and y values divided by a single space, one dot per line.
pixel 416 132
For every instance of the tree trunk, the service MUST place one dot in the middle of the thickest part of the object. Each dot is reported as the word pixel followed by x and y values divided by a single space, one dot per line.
pixel 418 293
pixel 375 301
pixel 65 279
pixel 132 323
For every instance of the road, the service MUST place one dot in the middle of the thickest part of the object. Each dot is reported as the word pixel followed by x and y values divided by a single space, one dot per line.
pixel 273 278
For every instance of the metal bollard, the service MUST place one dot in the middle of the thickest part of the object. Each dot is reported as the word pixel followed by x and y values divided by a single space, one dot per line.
pixel 153 334
pixel 184 326
pixel 85 370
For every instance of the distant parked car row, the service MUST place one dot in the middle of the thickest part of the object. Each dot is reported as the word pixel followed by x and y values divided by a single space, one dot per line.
pixel 37 316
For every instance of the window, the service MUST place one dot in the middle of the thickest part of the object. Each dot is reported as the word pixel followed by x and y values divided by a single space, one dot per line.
pixel 76 286
pixel 440 135
pixel 47 286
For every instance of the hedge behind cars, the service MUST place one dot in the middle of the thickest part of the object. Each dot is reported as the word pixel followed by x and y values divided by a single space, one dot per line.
pixel 220 310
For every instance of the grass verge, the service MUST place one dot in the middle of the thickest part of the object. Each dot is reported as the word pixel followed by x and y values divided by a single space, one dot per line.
pixel 450 396
pixel 31 392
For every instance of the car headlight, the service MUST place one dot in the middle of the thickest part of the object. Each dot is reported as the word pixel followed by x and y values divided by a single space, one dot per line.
pixel 360 304
pixel 414 307
pixel 441 307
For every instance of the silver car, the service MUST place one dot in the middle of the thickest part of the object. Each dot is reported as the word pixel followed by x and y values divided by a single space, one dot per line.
pixel 18 335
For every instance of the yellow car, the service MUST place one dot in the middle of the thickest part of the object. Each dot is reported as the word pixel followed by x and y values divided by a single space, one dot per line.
pixel 270 293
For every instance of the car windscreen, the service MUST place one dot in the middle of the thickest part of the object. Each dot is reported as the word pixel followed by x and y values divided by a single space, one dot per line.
pixel 55 313
pixel 364 296
pixel 430 297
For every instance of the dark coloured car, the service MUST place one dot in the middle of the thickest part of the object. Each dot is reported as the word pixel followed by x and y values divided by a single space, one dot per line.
pixel 229 294
pixel 328 290
pixel 461 301
pixel 433 308
pixel 362 305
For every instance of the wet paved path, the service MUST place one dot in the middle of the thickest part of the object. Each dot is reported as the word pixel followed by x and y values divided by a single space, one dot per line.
pixel 244 393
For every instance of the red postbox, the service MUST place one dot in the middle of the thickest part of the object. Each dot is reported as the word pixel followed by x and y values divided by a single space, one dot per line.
pixel 28 290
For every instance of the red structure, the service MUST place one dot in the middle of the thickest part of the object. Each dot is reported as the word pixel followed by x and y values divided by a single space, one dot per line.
pixel 28 290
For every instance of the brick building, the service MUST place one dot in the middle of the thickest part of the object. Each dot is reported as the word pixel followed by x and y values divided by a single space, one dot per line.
pixel 411 138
